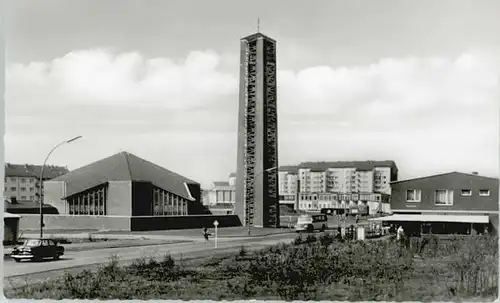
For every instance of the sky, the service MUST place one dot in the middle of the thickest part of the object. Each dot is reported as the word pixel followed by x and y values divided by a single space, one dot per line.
pixel 416 82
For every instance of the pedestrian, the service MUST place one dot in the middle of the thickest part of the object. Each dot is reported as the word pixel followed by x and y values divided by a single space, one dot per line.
pixel 357 219
pixel 400 233
pixel 206 234
pixel 338 237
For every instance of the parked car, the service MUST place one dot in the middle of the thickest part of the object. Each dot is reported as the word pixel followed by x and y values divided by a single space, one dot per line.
pixel 310 223
pixel 37 249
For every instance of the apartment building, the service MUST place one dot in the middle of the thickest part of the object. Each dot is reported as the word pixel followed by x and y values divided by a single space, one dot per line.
pixel 446 203
pixel 287 180
pixel 223 192
pixel 22 180
pixel 344 185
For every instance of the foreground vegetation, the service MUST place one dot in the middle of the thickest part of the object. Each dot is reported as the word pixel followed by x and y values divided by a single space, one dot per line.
pixel 312 268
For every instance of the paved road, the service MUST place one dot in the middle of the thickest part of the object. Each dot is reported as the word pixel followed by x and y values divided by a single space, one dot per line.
pixel 83 258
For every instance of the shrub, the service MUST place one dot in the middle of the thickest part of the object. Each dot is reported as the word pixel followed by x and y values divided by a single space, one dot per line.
pixel 242 252
pixel 323 269
pixel 153 270
pixel 298 240
pixel 310 239
pixel 326 239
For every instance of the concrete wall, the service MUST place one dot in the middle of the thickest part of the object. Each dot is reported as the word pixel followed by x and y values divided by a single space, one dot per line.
pixel 11 230
pixel 455 182
pixel 494 223
pixel 67 222
pixel 142 198
pixel 119 198
pixel 53 192
pixel 182 222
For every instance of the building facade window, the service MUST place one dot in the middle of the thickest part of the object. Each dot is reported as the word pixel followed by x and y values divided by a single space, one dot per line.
pixel 484 192
pixel 443 197
pixel 168 204
pixel 413 195
pixel 92 202
pixel 466 192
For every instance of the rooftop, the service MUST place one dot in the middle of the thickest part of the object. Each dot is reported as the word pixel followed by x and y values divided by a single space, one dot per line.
pixel 322 166
pixel 445 174
pixel 124 166
pixel 28 170
pixel 257 36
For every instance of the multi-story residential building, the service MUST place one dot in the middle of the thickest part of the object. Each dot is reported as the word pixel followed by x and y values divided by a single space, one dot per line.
pixel 22 180
pixel 446 203
pixel 342 185
pixel 221 193
pixel 287 178
pixel 221 197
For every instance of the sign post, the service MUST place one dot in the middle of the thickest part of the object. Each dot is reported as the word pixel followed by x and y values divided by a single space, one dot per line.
pixel 216 223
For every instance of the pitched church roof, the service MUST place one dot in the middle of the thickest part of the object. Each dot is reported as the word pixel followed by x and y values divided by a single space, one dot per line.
pixel 125 166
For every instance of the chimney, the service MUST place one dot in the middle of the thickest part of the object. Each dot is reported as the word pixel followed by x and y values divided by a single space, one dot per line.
pixel 475 173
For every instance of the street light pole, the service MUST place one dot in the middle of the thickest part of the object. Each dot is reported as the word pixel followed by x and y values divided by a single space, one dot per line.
pixel 249 225
pixel 41 180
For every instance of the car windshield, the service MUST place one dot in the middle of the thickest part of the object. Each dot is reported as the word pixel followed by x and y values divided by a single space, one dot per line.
pixel 32 243
pixel 304 219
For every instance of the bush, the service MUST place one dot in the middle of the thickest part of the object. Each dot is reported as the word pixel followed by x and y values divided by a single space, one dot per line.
pixel 152 270
pixel 298 240
pixel 451 269
pixel 311 239
pixel 326 239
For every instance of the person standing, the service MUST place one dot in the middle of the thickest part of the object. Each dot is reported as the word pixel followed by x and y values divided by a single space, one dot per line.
pixel 339 237
pixel 206 234
pixel 400 233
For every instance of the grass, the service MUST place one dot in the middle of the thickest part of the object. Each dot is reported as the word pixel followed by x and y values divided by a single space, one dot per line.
pixel 313 268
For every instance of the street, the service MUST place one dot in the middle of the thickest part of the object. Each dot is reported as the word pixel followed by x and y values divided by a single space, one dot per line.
pixel 87 258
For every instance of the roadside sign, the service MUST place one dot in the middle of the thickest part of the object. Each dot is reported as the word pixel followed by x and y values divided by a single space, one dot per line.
pixel 216 223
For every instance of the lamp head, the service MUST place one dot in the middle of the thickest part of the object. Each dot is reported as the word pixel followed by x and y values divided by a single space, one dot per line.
pixel 73 139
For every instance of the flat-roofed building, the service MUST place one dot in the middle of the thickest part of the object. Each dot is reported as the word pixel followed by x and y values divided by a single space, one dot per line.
pixel 446 203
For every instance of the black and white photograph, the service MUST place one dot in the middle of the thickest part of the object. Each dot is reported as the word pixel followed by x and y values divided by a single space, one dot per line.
pixel 228 150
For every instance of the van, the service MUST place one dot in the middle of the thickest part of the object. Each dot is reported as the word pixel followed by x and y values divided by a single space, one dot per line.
pixel 310 223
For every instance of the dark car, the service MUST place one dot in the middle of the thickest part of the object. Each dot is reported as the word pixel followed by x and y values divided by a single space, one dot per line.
pixel 37 249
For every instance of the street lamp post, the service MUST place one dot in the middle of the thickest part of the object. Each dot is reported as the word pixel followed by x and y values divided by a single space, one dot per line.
pixel 41 180
pixel 248 205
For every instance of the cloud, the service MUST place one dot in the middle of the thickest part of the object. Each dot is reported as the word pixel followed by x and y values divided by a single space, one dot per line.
pixel 390 86
pixel 101 77
pixel 425 113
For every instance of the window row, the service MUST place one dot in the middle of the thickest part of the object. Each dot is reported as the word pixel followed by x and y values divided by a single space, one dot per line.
pixel 349 197
pixel 442 196
pixel 22 180
pixel 168 204
pixel 225 196
pixel 92 202
pixel 23 189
